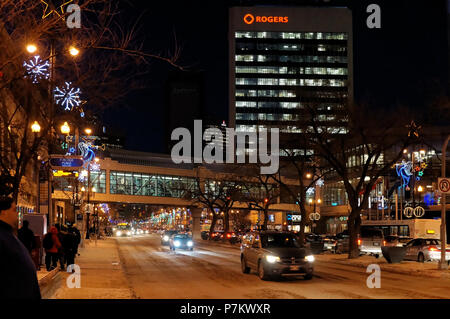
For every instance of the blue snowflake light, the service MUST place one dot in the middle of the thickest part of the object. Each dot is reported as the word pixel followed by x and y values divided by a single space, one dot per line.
pixel 67 96
pixel 37 69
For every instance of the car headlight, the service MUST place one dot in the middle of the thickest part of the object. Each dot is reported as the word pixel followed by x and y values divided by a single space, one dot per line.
pixel 118 233
pixel 190 243
pixel 177 243
pixel 310 258
pixel 128 233
pixel 166 238
pixel 146 231
pixel 272 259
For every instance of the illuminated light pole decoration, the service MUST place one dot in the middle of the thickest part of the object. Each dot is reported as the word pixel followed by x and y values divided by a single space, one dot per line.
pixel 37 69
pixel 68 96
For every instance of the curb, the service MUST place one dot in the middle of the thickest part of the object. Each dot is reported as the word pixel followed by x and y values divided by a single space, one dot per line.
pixel 50 283
pixel 425 273
pixel 48 277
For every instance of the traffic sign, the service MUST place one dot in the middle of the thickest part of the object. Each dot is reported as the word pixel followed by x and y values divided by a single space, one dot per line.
pixel 444 185
pixel 66 162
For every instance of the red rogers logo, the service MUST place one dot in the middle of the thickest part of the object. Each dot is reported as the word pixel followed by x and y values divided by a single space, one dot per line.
pixel 250 18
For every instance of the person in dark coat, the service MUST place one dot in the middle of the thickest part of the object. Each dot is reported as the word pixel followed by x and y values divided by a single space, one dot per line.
pixel 26 236
pixel 74 230
pixel 68 244
pixel 18 279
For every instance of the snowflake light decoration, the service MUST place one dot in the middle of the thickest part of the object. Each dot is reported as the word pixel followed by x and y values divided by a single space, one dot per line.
pixel 310 191
pixel 68 96
pixel 320 182
pixel 37 69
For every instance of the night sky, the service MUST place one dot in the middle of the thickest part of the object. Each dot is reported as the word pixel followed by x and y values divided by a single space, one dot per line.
pixel 404 62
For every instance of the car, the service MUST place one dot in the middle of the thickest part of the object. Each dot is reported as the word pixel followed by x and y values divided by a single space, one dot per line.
pixel 275 254
pixel 424 249
pixel 342 242
pixel 123 230
pixel 181 241
pixel 396 241
pixel 370 241
pixel 314 242
pixel 329 243
pixel 165 236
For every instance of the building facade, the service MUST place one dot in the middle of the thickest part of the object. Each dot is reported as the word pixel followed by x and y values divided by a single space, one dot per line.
pixel 285 59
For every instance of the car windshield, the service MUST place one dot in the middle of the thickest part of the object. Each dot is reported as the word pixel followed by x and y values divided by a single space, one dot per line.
pixel 279 240
pixel 181 237
pixel 124 227
pixel 170 232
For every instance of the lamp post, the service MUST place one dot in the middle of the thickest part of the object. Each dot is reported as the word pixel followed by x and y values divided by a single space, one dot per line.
pixel 443 264
pixel 36 129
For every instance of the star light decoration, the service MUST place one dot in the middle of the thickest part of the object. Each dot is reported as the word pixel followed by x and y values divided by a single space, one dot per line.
pixel 54 6
pixel 37 69
pixel 68 96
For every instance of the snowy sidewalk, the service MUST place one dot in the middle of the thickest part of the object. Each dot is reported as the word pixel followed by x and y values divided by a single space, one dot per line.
pixel 101 276
pixel 428 269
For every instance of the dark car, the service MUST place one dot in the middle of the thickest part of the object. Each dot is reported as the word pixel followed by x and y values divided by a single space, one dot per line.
pixel 181 241
pixel 329 243
pixel 275 254
pixel 342 242
pixel 165 236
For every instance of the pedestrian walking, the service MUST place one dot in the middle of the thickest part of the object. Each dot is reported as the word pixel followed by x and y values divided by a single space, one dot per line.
pixel 52 246
pixel 74 230
pixel 68 244
pixel 18 279
pixel 26 236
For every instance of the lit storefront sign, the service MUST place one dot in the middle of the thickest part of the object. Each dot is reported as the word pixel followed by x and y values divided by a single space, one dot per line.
pixel 250 19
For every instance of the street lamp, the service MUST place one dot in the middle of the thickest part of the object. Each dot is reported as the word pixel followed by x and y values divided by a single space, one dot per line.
pixel 31 48
pixel 65 128
pixel 74 51
pixel 88 131
pixel 35 128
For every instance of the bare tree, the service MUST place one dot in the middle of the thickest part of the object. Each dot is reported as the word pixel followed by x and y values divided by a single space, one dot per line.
pixel 259 191
pixel 360 151
pixel 111 62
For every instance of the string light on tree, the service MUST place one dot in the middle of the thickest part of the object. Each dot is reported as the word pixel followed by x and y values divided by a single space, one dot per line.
pixel 68 96
pixel 37 69
pixel 54 6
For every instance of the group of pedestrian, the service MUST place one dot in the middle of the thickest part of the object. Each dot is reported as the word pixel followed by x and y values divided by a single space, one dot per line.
pixel 61 244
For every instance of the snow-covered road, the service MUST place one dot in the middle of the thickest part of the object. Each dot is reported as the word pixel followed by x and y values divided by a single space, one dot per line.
pixel 210 271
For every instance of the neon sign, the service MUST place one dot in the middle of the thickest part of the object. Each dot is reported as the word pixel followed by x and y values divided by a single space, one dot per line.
pixel 250 19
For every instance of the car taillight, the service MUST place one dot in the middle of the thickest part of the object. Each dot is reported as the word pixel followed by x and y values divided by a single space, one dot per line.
pixel 359 242
pixel 432 249
pixel 228 235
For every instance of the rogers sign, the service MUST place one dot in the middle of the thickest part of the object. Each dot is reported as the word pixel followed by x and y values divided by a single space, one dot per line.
pixel 250 19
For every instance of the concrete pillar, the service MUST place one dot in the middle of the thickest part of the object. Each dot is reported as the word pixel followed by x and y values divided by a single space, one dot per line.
pixel 196 214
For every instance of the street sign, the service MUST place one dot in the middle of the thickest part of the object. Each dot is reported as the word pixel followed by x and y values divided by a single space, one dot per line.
pixel 66 162
pixel 444 185
pixel 296 218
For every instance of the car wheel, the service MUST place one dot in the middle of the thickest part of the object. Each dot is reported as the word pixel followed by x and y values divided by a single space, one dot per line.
pixel 377 256
pixel 421 258
pixel 244 267
pixel 308 276
pixel 261 271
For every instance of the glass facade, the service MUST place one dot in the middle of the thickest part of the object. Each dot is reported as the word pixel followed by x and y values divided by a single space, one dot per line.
pixel 97 182
pixel 127 183
pixel 277 74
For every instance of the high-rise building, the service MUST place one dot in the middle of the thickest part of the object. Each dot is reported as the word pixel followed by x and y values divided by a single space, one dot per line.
pixel 184 102
pixel 283 59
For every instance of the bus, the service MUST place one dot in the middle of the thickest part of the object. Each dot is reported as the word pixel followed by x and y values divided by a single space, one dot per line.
pixel 413 228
